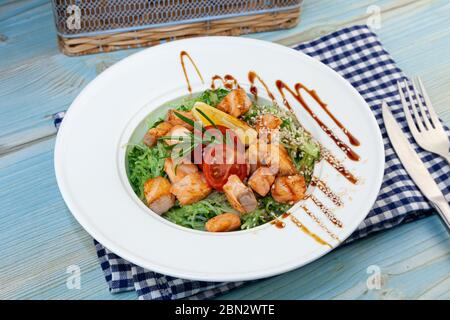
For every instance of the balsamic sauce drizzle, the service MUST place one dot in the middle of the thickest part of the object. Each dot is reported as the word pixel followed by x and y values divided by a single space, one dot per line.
pixel 320 223
pixel 351 138
pixel 252 76
pixel 352 155
pixel 322 186
pixel 285 215
pixel 336 164
pixel 278 223
pixel 183 65
pixel 328 213
pixel 308 232
pixel 228 81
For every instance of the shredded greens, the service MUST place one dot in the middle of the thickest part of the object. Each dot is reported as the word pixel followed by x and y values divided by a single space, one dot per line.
pixel 151 124
pixel 195 215
pixel 145 163
pixel 255 218
pixel 148 162
pixel 211 97
pixel 268 209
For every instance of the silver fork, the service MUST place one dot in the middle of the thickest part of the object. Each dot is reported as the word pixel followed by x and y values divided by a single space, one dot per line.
pixel 426 128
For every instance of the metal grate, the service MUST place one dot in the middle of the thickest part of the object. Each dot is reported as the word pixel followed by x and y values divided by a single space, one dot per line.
pixel 104 16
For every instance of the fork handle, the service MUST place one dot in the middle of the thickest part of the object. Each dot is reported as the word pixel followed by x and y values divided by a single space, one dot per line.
pixel 442 207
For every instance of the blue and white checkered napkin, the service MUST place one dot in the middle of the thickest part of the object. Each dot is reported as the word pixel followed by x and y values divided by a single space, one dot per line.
pixel 357 54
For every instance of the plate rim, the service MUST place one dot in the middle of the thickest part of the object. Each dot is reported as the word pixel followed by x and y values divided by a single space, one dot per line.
pixel 181 273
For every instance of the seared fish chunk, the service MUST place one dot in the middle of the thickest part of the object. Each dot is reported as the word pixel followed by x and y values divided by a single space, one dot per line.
pixel 267 127
pixel 157 195
pixel 153 134
pixel 174 120
pixel 178 172
pixel 289 189
pixel 281 159
pixel 239 195
pixel 273 155
pixel 178 131
pixel 268 121
pixel 223 223
pixel 235 103
pixel 192 188
pixel 261 180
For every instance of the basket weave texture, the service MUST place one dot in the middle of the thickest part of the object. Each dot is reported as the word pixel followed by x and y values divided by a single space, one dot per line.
pixel 92 26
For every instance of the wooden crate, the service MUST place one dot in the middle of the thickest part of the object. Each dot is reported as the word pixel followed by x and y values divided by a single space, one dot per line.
pixel 108 25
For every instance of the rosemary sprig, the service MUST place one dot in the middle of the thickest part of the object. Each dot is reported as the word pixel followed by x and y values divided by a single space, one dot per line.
pixel 207 118
pixel 189 142
pixel 204 131
pixel 184 118
pixel 184 150
pixel 179 138
pixel 187 139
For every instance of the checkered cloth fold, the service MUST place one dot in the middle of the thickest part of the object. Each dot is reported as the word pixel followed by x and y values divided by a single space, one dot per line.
pixel 357 54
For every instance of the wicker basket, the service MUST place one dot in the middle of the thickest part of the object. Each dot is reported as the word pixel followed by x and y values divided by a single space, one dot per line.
pixel 91 26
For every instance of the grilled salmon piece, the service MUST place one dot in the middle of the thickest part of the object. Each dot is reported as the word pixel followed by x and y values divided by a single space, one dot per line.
pixel 268 127
pixel 223 223
pixel 157 195
pixel 259 154
pixel 289 189
pixel 268 121
pixel 177 131
pixel 273 155
pixel 152 135
pixel 178 172
pixel 239 195
pixel 192 188
pixel 280 158
pixel 251 157
pixel 235 103
pixel 261 180
pixel 174 120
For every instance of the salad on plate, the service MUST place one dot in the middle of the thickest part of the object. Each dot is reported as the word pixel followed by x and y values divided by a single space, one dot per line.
pixel 220 161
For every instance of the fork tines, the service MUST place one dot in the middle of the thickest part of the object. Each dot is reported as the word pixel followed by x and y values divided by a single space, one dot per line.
pixel 427 120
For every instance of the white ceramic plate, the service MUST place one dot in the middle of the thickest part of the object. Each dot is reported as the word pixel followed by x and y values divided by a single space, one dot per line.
pixel 90 161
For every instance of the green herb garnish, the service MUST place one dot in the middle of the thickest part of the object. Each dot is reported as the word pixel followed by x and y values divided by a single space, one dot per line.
pixel 195 215
pixel 145 163
pixel 268 209
pixel 211 97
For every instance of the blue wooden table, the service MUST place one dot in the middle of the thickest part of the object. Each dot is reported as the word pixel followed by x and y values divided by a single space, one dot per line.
pixel 39 238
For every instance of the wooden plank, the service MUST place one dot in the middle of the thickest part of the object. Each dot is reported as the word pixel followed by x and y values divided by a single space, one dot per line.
pixel 39 238
pixel 414 260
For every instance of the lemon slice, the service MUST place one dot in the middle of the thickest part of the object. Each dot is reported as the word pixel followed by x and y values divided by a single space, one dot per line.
pixel 245 133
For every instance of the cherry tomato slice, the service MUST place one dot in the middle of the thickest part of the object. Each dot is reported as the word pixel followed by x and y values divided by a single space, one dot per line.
pixel 220 134
pixel 220 162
